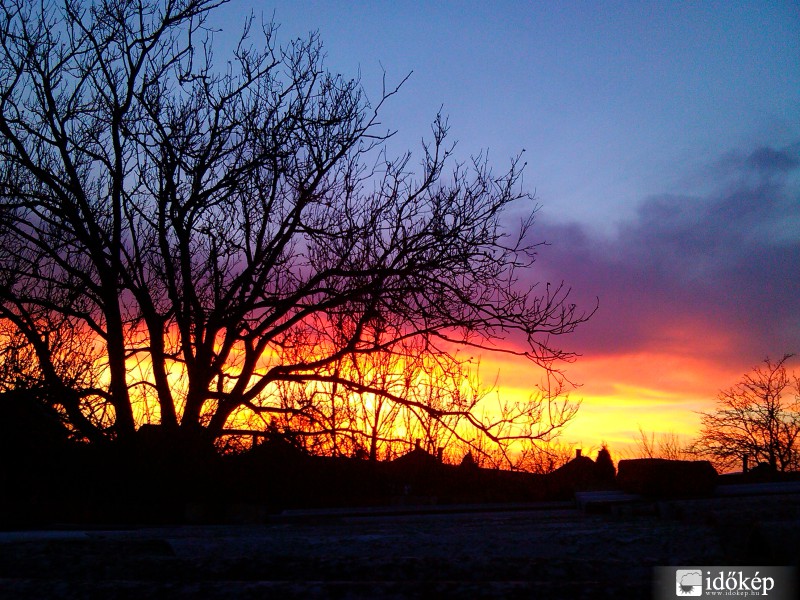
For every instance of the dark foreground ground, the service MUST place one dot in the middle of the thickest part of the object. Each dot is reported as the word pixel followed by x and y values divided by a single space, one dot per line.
pixel 547 550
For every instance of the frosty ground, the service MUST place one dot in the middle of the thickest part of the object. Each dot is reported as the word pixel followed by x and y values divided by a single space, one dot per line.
pixel 553 550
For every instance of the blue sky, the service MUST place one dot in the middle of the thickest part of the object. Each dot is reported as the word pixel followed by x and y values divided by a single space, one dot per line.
pixel 663 144
pixel 612 101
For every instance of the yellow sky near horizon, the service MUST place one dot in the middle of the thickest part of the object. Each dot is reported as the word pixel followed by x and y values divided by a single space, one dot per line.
pixel 658 392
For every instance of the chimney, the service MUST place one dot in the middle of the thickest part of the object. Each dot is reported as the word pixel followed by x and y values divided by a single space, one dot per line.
pixel 440 453
pixel 744 463
pixel 418 444
pixel 578 452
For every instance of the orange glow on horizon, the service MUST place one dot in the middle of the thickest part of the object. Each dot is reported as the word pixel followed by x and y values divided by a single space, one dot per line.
pixel 660 392
pixel 657 391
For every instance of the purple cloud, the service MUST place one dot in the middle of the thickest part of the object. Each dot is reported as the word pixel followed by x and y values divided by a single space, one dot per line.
pixel 715 273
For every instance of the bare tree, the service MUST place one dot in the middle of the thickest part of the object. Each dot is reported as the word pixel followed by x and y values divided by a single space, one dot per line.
pixel 218 234
pixel 759 417
pixel 440 404
pixel 518 435
pixel 665 445
pixel 545 457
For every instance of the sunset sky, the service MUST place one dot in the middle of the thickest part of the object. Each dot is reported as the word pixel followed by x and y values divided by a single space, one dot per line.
pixel 663 146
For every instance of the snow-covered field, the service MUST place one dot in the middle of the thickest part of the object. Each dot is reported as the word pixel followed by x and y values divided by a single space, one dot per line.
pixel 549 551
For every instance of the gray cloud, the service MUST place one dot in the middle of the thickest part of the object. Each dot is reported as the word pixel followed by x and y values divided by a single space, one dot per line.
pixel 716 272
pixel 770 160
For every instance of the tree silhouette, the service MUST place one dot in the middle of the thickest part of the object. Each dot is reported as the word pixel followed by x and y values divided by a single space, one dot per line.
pixel 187 240
pixel 669 446
pixel 759 417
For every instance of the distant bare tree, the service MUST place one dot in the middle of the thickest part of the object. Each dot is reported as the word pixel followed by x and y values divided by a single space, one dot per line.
pixel 758 417
pixel 439 403
pixel 544 457
pixel 218 234
pixel 665 445
pixel 522 435
pixel 334 419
